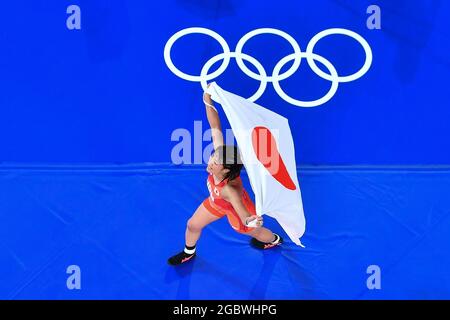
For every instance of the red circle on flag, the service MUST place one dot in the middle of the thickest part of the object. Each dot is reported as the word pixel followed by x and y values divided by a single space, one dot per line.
pixel 266 150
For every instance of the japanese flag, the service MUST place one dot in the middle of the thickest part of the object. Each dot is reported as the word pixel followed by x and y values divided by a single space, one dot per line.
pixel 267 149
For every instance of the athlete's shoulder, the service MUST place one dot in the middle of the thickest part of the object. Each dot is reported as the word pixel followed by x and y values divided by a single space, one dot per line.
pixel 236 182
pixel 233 187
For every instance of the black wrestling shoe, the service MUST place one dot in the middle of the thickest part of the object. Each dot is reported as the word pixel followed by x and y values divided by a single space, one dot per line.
pixel 266 245
pixel 180 258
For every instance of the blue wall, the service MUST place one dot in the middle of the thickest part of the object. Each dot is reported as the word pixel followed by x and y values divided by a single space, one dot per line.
pixel 105 94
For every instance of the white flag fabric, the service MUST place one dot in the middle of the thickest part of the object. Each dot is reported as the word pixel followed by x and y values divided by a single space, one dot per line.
pixel 267 149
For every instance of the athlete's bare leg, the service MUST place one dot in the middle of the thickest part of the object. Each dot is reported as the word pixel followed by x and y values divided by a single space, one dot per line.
pixel 261 234
pixel 201 218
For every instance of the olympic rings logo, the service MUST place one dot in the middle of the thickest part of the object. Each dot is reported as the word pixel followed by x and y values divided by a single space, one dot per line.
pixel 276 77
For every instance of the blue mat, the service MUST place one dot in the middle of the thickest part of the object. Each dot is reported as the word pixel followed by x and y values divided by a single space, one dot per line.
pixel 120 223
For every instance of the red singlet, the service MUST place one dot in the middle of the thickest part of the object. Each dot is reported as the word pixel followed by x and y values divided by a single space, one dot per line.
pixel 219 207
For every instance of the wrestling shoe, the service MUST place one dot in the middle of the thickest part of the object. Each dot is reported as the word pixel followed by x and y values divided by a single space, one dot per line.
pixel 266 245
pixel 180 258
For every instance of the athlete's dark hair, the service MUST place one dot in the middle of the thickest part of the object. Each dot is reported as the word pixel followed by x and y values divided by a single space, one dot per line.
pixel 230 158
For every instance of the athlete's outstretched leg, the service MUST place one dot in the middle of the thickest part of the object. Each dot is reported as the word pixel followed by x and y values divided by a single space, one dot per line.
pixel 201 218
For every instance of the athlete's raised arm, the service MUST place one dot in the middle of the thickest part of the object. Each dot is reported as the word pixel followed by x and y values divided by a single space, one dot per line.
pixel 214 121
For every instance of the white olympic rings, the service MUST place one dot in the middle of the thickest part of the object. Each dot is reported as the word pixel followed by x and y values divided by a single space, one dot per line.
pixel 276 77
